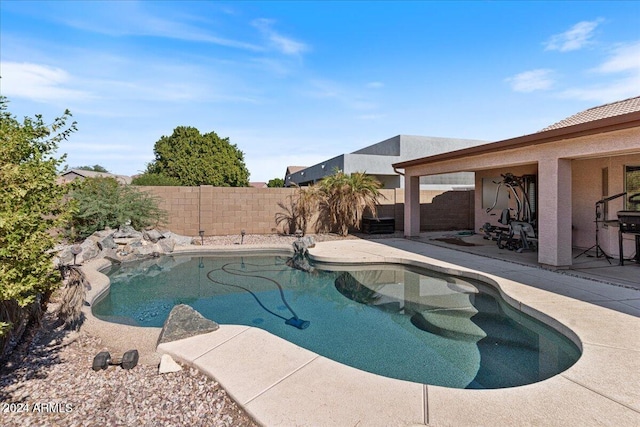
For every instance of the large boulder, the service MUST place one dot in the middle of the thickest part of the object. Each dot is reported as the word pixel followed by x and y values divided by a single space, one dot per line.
pixel 127 231
pixel 152 235
pixel 179 240
pixel 184 322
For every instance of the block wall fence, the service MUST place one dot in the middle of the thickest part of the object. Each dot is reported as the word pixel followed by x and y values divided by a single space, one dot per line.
pixel 228 210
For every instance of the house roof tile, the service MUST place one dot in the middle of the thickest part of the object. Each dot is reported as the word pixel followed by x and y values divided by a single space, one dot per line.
pixel 617 108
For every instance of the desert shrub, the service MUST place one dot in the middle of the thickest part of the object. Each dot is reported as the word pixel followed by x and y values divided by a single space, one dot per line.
pixel 155 179
pixel 296 214
pixel 31 208
pixel 103 202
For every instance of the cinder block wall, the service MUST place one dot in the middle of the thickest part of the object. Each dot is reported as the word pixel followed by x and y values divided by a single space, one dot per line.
pixel 226 210
pixel 452 210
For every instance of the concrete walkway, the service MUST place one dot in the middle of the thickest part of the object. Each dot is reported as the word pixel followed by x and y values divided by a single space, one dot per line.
pixel 281 384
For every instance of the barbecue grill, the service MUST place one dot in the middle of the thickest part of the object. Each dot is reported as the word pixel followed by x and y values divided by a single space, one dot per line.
pixel 629 222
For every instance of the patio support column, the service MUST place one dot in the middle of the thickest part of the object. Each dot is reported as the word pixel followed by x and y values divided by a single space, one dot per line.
pixel 411 206
pixel 554 212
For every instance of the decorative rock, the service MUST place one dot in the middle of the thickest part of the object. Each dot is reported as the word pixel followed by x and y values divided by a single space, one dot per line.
pixel 168 365
pixel 167 245
pixel 152 235
pixel 180 240
pixel 127 231
pixel 107 242
pixel 184 322
pixel 90 250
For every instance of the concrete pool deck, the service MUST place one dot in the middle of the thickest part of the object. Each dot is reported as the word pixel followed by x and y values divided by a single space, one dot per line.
pixel 282 384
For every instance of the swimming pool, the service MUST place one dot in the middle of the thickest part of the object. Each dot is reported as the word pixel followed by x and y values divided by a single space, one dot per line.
pixel 415 325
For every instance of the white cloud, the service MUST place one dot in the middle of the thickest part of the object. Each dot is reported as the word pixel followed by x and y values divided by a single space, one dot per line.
pixel 624 58
pixel 604 93
pixel 285 45
pixel 375 85
pixel 575 38
pixel 136 18
pixel 622 68
pixel 533 80
pixel 38 82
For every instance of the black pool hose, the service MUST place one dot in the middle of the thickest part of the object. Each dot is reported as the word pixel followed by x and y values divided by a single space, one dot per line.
pixel 293 321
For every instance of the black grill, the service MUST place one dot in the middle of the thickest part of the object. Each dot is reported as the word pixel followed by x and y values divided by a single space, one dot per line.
pixel 629 222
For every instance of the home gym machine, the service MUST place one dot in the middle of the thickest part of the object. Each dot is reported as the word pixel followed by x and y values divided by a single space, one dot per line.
pixel 517 232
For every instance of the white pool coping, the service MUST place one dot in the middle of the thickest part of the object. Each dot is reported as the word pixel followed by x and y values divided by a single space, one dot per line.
pixel 282 384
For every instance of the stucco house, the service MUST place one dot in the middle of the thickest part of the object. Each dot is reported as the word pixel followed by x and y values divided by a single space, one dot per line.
pixel 73 174
pixel 588 159
pixel 377 160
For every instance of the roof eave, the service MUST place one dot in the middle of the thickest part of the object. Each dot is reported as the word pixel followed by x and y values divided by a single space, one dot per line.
pixel 609 124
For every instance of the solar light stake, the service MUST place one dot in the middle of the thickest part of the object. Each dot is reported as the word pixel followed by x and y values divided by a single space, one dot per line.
pixel 201 233
pixel 75 251
pixel 242 233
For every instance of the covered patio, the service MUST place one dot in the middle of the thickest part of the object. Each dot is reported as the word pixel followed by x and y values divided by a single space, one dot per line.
pixel 575 164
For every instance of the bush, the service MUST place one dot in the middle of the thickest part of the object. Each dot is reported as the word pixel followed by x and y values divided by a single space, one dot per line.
pixel 102 202
pixel 31 208
pixel 155 179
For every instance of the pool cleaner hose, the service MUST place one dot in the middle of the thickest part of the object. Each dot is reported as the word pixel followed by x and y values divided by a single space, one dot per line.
pixel 293 321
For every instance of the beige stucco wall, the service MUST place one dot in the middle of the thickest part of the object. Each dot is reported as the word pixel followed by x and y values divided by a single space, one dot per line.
pixel 587 190
pixel 568 186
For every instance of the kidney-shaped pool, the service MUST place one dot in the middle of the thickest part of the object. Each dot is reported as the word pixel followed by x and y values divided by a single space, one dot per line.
pixel 400 322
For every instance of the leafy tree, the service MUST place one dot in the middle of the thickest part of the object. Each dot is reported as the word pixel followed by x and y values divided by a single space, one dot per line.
pixel 102 202
pixel 344 198
pixel 31 207
pixel 275 183
pixel 155 179
pixel 196 159
pixel 94 168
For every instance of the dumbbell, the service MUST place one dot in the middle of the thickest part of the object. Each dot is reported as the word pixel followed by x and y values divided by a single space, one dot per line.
pixel 103 360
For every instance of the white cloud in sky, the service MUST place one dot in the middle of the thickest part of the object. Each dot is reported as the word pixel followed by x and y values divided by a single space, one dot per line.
pixel 531 81
pixel 375 85
pixel 623 58
pixel 137 19
pixel 38 82
pixel 283 44
pixel 624 63
pixel 575 38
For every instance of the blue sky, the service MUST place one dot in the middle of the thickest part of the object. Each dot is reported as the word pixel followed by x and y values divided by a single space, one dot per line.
pixel 295 83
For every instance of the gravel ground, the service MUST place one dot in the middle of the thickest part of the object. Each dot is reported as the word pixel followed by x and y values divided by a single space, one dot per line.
pixel 48 380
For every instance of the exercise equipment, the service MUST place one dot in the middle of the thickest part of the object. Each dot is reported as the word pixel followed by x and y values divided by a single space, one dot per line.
pixel 518 231
pixel 103 360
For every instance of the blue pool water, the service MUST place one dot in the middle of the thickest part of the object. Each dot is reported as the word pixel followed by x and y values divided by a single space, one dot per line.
pixel 415 325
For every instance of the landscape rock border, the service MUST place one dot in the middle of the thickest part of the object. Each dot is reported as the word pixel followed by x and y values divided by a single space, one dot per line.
pixel 122 245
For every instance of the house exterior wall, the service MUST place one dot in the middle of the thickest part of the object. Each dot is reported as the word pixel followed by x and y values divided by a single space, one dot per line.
pixel 377 160
pixel 555 163
pixel 587 190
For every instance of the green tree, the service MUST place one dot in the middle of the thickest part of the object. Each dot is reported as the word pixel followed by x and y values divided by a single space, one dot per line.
pixel 197 159
pixel 31 208
pixel 94 168
pixel 103 202
pixel 155 179
pixel 275 183
pixel 344 198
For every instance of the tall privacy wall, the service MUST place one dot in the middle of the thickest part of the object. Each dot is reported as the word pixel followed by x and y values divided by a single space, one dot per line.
pixel 224 210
